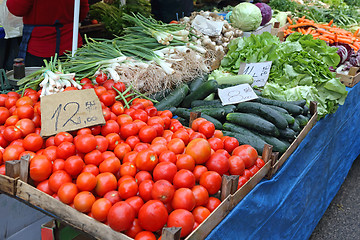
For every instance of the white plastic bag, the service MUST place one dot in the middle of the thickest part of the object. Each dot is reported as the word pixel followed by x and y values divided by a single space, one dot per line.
pixel 12 25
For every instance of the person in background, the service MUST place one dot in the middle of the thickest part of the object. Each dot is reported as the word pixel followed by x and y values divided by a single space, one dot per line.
pixel 168 10
pixel 48 27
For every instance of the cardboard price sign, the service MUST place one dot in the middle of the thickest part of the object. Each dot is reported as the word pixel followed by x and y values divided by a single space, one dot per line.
pixel 259 71
pixel 236 94
pixel 70 110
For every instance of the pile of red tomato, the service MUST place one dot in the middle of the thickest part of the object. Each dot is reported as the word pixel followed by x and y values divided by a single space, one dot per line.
pixel 139 172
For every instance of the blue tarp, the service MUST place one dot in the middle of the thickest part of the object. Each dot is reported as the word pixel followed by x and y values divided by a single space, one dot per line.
pixel 290 205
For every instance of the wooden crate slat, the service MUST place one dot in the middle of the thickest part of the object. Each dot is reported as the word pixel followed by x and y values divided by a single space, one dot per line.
pixel 66 213
pixel 7 185
pixel 211 221
pixel 299 139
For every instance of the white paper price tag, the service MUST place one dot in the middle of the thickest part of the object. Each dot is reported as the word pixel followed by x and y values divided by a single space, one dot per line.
pixel 259 71
pixel 236 94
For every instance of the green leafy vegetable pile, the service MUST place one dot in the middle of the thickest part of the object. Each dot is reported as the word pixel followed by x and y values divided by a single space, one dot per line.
pixel 300 68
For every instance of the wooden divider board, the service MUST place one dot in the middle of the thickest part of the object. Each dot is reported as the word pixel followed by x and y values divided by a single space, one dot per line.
pixel 7 185
pixel 298 140
pixel 67 214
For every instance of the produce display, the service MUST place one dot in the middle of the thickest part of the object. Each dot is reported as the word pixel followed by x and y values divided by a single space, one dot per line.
pixel 151 165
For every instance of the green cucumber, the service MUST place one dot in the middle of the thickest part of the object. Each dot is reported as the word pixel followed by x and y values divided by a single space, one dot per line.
pixel 218 113
pixel 306 110
pixel 290 119
pixel 278 145
pixel 172 109
pixel 210 97
pixel 287 133
pixel 300 103
pixel 279 109
pixel 196 83
pixel 206 103
pixel 295 126
pixel 291 108
pixel 217 123
pixel 235 79
pixel 174 98
pixel 231 127
pixel 229 109
pixel 302 120
pixel 253 122
pixel 265 112
pixel 254 141
pixel 203 91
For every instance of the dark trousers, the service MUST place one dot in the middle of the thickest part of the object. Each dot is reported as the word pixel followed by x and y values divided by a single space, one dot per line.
pixel 34 61
pixel 8 52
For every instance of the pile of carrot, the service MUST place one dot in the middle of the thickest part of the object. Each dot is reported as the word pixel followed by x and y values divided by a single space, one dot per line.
pixel 328 32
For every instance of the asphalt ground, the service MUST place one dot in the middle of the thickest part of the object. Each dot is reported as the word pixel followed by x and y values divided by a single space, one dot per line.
pixel 341 220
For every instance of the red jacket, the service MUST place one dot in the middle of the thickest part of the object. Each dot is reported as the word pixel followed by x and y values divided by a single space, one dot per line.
pixel 42 42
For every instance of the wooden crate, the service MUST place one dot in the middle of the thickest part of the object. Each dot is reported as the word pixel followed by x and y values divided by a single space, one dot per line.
pixel 351 79
pixel 7 185
pixel 38 199
pixel 298 140
pixel 55 208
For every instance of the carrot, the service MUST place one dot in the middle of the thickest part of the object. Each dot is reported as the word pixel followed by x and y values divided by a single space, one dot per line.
pixel 308 31
pixel 302 30
pixel 289 20
pixel 331 22
pixel 356 44
pixel 298 25
pixel 356 33
pixel 344 40
pixel 299 30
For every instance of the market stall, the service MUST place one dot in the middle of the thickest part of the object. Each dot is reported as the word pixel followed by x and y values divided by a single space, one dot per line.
pixel 128 136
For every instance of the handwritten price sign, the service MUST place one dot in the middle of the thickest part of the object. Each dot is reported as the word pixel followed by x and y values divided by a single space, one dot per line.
pixel 70 110
pixel 259 71
pixel 236 94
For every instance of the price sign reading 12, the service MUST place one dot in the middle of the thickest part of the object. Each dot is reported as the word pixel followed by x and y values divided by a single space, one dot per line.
pixel 236 94
pixel 68 111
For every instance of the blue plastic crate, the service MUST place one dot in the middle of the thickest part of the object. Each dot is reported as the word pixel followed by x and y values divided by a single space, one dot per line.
pixel 2 33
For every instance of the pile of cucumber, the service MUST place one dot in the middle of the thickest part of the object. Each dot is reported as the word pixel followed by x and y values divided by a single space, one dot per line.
pixel 256 122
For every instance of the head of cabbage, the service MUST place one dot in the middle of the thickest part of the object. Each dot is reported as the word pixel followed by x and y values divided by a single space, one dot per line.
pixel 246 16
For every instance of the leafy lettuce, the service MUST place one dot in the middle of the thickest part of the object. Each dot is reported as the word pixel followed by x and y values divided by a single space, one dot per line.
pixel 300 68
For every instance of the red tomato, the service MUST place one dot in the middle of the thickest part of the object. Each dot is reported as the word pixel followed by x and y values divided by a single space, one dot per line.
pixel 65 150
pixel 147 134
pixel 121 149
pixel 12 152
pixel 213 203
pixel 101 78
pixel 200 213
pixel 100 209
pixel 218 163
pixel 105 182
pixel 113 196
pixel 128 129
pixel 74 165
pixel 58 164
pixel 196 123
pixel 175 125
pixel 67 192
pixel 107 98
pixel 198 170
pixel 25 111
pixel 26 126
pixel 142 176
pixel 163 191
pixel 216 143
pixel 184 179
pixel 85 143
pixel 199 149
pixel 167 156
pixel 110 164
pixel 44 187
pixel 135 229
pixel 50 141
pixel 83 201
pixel 40 168
pixel 185 161
pixel 182 134
pixel 247 153
pixel 120 86
pixel 183 199
pixel 113 140
pixel 224 152
pixel 176 145
pixel 242 181
pixel 146 160
pixel 140 115
pixel 130 157
pixel 33 142
pixel 230 143
pixel 237 165
pixel 120 216
pixel 111 126
pixel 207 128
pixel 94 157
pixel 153 215
pixel 86 181
pixel 145 235
pixel 201 195
pixel 128 188
pixel 145 188
pixel 254 169
pixel 101 143
pixel 57 179
pixel 4 115
pixel 259 163
pixel 247 174
pixel 181 218
pixel 12 120
pixel 90 168
pixel 12 133
pixel 164 170
pixel 211 181
pixel 136 202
